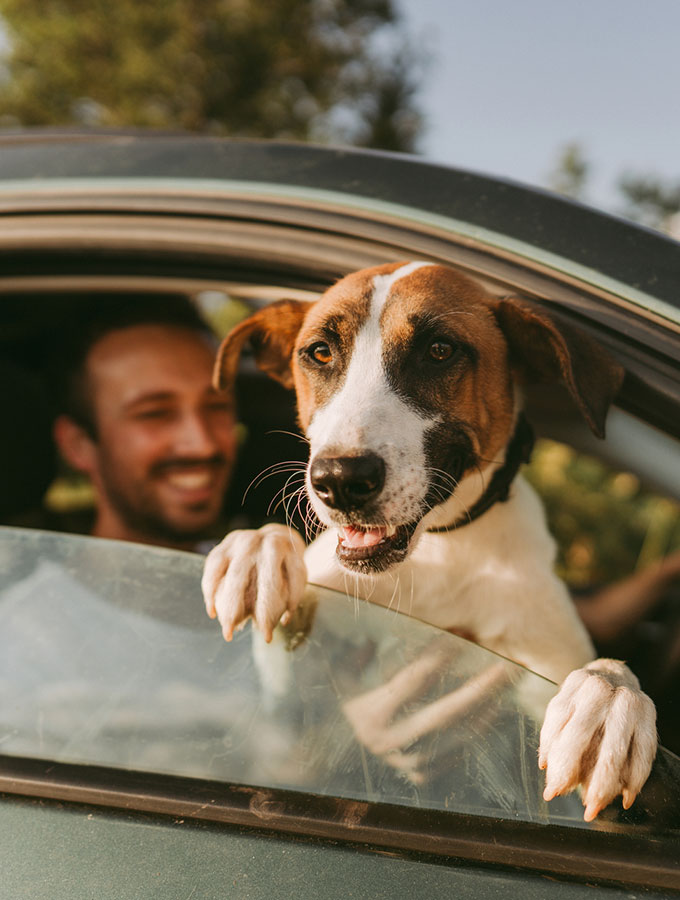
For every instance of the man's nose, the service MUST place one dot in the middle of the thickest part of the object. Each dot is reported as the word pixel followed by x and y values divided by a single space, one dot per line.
pixel 195 435
pixel 347 482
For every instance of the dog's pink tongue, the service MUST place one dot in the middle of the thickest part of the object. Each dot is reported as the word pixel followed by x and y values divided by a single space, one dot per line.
pixel 355 537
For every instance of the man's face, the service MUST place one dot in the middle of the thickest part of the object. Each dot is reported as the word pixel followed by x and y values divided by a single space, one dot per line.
pixel 165 439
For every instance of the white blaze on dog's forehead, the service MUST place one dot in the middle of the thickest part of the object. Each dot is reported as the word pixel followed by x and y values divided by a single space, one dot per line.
pixel 365 404
pixel 367 415
pixel 382 284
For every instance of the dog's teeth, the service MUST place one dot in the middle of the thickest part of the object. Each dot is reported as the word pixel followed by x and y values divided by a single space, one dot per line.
pixel 390 530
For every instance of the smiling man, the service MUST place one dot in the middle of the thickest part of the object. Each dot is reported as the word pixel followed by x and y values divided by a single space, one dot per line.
pixel 140 417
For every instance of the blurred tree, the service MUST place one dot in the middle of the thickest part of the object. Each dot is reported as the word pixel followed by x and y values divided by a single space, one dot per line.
pixel 581 494
pixel 650 200
pixel 295 69
pixel 606 523
pixel 570 175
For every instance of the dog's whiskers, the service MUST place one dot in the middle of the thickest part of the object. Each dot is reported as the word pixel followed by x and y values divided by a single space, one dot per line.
pixel 311 523
pixel 293 503
pixel 275 503
pixel 300 437
pixel 441 475
pixel 396 592
pixel 277 468
pixel 442 486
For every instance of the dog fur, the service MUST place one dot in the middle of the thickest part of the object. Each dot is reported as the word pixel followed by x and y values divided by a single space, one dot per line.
pixel 410 375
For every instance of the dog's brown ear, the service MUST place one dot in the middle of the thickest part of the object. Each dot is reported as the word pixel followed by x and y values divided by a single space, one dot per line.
pixel 543 350
pixel 272 332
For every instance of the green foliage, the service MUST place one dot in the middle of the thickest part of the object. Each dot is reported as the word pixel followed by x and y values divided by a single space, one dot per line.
pixel 649 199
pixel 222 311
pixel 571 172
pixel 292 69
pixel 605 523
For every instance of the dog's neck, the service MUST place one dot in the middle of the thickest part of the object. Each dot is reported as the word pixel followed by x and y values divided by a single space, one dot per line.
pixel 480 491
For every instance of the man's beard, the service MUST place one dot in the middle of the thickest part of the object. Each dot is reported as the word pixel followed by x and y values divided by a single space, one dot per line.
pixel 142 511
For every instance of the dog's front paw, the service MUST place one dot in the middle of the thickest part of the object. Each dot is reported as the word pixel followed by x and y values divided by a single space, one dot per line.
pixel 259 574
pixel 599 732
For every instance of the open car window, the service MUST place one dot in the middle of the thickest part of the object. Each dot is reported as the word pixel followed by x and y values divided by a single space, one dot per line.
pixel 116 689
pixel 108 659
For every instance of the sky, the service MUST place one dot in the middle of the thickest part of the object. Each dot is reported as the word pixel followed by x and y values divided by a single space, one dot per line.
pixel 508 83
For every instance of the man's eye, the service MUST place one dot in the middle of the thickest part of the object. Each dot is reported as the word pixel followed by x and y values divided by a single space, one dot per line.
pixel 155 413
pixel 220 406
pixel 440 351
pixel 320 353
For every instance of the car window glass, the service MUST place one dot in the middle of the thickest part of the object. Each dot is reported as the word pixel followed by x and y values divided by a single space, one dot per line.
pixel 108 658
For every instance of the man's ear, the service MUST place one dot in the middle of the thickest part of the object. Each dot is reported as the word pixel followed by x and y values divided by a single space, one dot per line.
pixel 272 333
pixel 543 350
pixel 75 444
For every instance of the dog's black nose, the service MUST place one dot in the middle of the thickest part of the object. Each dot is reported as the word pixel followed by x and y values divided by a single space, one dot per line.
pixel 347 482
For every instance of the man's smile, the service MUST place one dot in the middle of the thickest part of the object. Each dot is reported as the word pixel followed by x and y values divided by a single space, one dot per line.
pixel 195 481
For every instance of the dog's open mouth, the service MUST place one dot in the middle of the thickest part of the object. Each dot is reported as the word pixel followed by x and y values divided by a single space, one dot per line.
pixel 373 548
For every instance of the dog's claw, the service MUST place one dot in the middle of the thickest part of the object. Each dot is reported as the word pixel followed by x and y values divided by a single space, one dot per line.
pixel 549 794
pixel 599 732
pixel 591 812
pixel 254 574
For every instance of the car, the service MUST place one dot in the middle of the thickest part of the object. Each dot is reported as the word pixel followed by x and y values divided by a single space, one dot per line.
pixel 144 756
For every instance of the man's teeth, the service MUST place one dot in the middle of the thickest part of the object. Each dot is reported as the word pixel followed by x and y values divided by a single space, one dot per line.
pixel 189 481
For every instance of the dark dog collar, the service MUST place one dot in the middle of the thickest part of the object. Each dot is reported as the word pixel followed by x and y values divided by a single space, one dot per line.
pixel 518 452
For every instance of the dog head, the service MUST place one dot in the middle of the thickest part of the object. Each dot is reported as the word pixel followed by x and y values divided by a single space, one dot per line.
pixel 405 377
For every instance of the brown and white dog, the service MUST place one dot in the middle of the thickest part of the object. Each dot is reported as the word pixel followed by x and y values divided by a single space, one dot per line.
pixel 407 384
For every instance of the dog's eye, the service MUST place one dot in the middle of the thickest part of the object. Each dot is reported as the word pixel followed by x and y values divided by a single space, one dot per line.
pixel 440 351
pixel 320 353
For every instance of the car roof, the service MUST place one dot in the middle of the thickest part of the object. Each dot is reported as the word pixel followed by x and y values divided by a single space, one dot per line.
pixel 634 255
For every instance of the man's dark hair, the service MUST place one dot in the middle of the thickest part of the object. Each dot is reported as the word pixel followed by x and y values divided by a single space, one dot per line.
pixel 96 315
